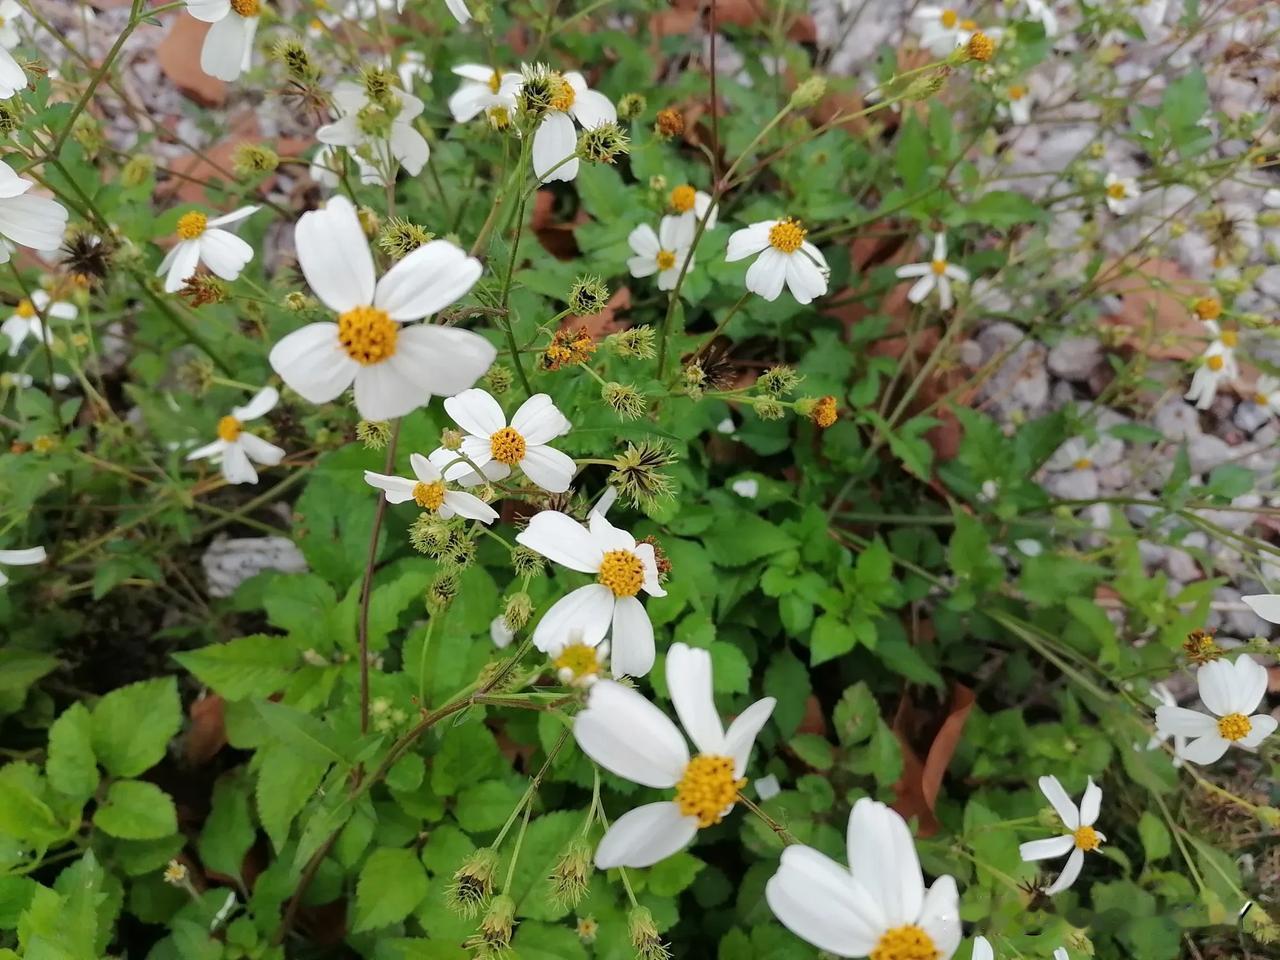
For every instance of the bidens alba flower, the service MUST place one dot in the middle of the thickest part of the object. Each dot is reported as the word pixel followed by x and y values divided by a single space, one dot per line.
pixel 201 240
pixel 1082 838
pixel 395 368
pixel 664 252
pixel 235 447
pixel 942 29
pixel 228 46
pixel 427 489
pixel 786 257
pixel 1122 193
pixel 1266 394
pixel 693 205
pixel 1217 363
pixel 630 737
pixel 879 907
pixel 578 664
pixel 484 90
pixel 563 98
pixel 375 123
pixel 936 274
pixel 622 569
pixel 20 558
pixel 27 220
pixel 1231 692
pixel 12 77
pixel 25 320
pixel 1017 104
pixel 523 444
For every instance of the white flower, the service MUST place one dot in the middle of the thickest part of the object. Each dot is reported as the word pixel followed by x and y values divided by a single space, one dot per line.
pixel 457 470
pixel 630 737
pixel 24 381
pixel 326 165
pixel 1231 691
pixel 622 569
pixel 942 29
pixel 555 142
pixel 1265 605
pixel 12 76
pixel 228 46
pixel 457 7
pixel 377 138
pixel 1082 838
pixel 427 489
pixel 878 906
pixel 11 15
pixel 201 241
pixel 500 633
pixel 412 68
pixel 1167 699
pixel 786 257
pixel 25 320
pixel 521 444
pixel 20 558
pixel 1122 193
pixel 578 664
pixel 1017 105
pixel 935 274
pixel 235 447
pixel 1079 454
pixel 982 949
pixel 1217 363
pixel 1042 10
pixel 664 252
pixel 395 368
pixel 484 90
pixel 27 220
pixel 748 488
pixel 692 205
pixel 1266 394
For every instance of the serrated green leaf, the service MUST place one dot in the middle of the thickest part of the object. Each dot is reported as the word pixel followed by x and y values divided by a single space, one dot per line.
pixel 132 726
pixel 392 883
pixel 136 810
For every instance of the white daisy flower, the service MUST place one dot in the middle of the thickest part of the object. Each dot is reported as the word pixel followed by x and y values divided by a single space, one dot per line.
pixel 942 29
pixel 427 489
pixel 1265 605
pixel 876 907
pixel 228 46
pixel 395 368
pixel 1166 699
pixel 200 240
pixel 786 257
pixel 1122 193
pixel 630 737
pixel 1017 105
pixel 935 274
pixel 25 320
pixel 1079 454
pixel 622 569
pixel 457 470
pixel 12 77
pixel 555 142
pixel 27 220
pixel 11 16
pixel 664 252
pixel 20 558
pixel 692 205
pixel 235 448
pixel 1266 394
pixel 578 664
pixel 1042 10
pixel 521 444
pixel 376 138
pixel 1231 691
pixel 1217 363
pixel 24 381
pixel 1082 838
pixel 412 68
pixel 484 90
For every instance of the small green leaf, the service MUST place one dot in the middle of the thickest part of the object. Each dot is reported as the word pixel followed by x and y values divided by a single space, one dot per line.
pixel 135 810
pixel 391 884
pixel 254 666
pixel 132 726
pixel 71 767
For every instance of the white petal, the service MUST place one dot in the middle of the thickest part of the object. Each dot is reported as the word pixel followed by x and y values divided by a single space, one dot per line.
pixel 592 108
pixel 1174 721
pixel 767 276
pixel 748 241
pixel 1206 749
pixel 607 535
pixel 645 835
pixel 236 467
pixel 426 281
pixel 1090 804
pixel 223 53
pixel 334 255
pixel 260 451
pixel 644 243
pixel 563 540
pixel 470 506
pixel 982 949
pixel 629 736
pixel 553 141
pixel 235 216
pixel 23 558
pixel 539 420
pixel 208 11
pixel 32 221
pixel 1061 803
pixel 1044 849
pixel 446 359
pixel 312 362
pixel 742 733
pixel 647 557
pixel 208 450
pixel 883 860
pixel 1261 725
pixel 183 261
pixel 424 468
pixel 817 900
pixel 913 270
pixel 390 389
pixel 805 279
pixel 689 682
pixel 940 915
pixel 1217 686
pixel 548 468
pixel 224 253
pixel 1069 873
pixel 476 412
pixel 921 288
pixel 397 489
pixel 409 146
pixel 587 611
pixel 262 403
pixel 940 246
pixel 633 647
pixel 459 10
pixel 1265 605
pixel 944 293
pixel 1249 686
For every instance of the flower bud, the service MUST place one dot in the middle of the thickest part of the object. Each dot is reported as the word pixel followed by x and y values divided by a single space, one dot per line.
pixel 374 434
pixel 670 123
pixel 631 106
pixel 809 93
pixel 518 611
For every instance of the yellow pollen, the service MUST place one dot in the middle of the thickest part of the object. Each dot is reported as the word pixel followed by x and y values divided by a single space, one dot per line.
pixel 905 943
pixel 1234 726
pixel 1214 363
pixel 507 446
pixel 622 572
pixel 562 96
pixel 429 496
pixel 1087 839
pixel 666 259
pixel 683 198
pixel 229 429
pixel 316 23
pixel 787 235
pixel 191 225
pixel 1230 338
pixel 495 81
pixel 1117 191
pixel 708 788
pixel 25 309
pixel 1207 308
pixel 939 267
pixel 579 659
pixel 1017 92
pixel 499 118
pixel 968 25
pixel 367 334
pixel 246 8
pixel 1084 463
pixel 949 18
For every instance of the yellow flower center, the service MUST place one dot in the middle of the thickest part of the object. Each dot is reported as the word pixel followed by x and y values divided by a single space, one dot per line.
pixel 787 235
pixel 191 225
pixel 1230 338
pixel 1214 363
pixel 316 24
pixel 1207 308
pixel 1234 726
pixel 949 18
pixel 968 25
pixel 1261 399
pixel 622 572
pixel 247 8
pixel 579 659
pixel 367 334
pixel 708 788
pixel 666 259
pixel 1117 191
pixel 429 496
pixel 25 309
pixel 939 267
pixel 905 943
pixel 562 95
pixel 229 429
pixel 507 446
pixel 981 46
pixel 1087 838
pixel 682 198
pixel 1084 463
pixel 1017 92
pixel 495 81
pixel 499 117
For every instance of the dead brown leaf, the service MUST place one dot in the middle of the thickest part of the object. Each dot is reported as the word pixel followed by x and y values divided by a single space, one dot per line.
pixel 208 732
pixel 179 57
pixel 917 790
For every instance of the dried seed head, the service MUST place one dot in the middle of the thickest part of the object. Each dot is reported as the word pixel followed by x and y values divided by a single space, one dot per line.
pixel 399 237
pixel 767 408
pixel 670 123
pixel 517 612
pixel 809 93
pixel 603 144
pixel 644 936
pixel 493 939
pixel 588 296
pixel 571 874
pixel 430 535
pixel 442 591
pixel 499 379
pixel 624 400
pixel 779 381
pixel 635 343
pixel 253 160
pixel 631 106
pixel 526 563
pixel 472 883
pixel 638 473
pixel 374 434
pixel 1200 647
pixel 201 289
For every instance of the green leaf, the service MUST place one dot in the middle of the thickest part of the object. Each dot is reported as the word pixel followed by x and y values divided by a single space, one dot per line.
pixel 23 812
pixel 19 669
pixel 485 806
pixel 912 158
pixel 286 780
pixel 831 638
pixel 253 666
pixel 391 884
pixel 1229 480
pixel 301 732
pixel 814 750
pixel 71 767
pixel 674 874
pixel 747 539
pixel 132 726
pixel 1003 209
pixel 228 832
pixel 787 680
pixel 135 810
pixel 1156 843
